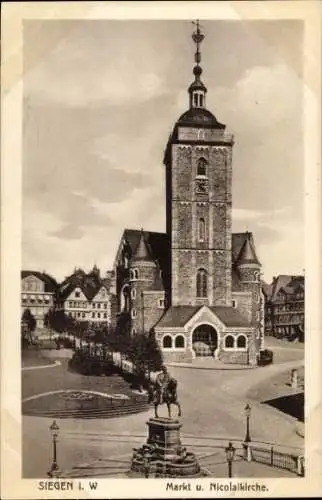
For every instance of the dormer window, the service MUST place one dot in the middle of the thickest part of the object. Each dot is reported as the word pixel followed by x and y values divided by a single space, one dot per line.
pixel 202 167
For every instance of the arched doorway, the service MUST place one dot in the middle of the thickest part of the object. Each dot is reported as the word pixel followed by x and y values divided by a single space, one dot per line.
pixel 204 340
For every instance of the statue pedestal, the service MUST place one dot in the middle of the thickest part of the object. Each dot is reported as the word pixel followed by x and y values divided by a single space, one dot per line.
pixel 163 455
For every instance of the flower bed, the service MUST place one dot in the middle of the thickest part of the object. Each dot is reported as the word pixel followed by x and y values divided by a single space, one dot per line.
pixel 79 403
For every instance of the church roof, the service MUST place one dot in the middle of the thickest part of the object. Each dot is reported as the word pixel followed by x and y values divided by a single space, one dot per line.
pixel 142 251
pixel 196 117
pixel 158 244
pixel 230 316
pixel 197 85
pixel 159 248
pixel 238 241
pixel 157 284
pixel 247 253
pixel 178 316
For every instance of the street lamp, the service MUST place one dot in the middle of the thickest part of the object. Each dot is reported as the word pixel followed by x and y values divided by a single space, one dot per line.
pixel 54 470
pixel 248 411
pixel 230 455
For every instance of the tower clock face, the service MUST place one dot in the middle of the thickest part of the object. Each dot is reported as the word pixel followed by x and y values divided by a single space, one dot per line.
pixel 201 187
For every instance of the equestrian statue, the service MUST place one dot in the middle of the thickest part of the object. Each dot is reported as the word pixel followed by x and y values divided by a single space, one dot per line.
pixel 164 391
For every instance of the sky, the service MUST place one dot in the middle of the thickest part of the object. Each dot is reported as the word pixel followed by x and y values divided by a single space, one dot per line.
pixel 100 100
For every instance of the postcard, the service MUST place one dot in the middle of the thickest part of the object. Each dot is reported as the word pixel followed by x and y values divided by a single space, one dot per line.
pixel 161 250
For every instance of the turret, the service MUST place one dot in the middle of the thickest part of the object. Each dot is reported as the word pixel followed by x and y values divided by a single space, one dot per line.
pixel 247 262
pixel 142 270
pixel 249 268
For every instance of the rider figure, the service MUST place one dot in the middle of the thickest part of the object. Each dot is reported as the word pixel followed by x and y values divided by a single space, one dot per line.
pixel 162 382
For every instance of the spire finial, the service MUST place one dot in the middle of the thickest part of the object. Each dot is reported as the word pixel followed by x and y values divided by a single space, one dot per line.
pixel 197 89
pixel 197 37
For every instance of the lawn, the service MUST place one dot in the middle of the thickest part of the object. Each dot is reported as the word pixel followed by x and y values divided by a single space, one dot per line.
pixel 32 357
pixel 60 377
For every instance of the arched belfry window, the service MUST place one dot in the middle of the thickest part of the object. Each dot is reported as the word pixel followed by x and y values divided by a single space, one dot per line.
pixel 202 283
pixel 201 229
pixel 202 167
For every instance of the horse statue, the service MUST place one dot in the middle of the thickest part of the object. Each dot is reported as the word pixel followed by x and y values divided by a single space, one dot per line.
pixel 164 395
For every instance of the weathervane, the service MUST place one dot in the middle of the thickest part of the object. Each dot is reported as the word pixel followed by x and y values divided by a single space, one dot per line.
pixel 197 37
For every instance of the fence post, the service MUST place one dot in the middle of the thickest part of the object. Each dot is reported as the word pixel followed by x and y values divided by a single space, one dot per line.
pixel 247 452
pixel 272 456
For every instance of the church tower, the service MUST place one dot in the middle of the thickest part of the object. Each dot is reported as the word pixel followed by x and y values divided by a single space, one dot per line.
pixel 198 161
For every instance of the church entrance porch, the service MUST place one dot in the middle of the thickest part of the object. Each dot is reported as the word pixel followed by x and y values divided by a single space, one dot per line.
pixel 204 341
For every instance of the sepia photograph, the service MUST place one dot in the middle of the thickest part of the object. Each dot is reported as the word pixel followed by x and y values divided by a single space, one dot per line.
pixel 163 316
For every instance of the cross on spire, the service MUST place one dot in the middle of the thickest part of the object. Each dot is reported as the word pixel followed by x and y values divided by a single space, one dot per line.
pixel 197 37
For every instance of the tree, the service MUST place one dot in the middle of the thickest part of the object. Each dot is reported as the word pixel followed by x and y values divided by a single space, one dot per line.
pixel 124 324
pixel 145 354
pixel 29 323
pixel 154 354
pixel 138 355
pixel 57 320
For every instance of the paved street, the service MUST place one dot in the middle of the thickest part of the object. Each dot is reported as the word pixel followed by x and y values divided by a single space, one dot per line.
pixel 213 404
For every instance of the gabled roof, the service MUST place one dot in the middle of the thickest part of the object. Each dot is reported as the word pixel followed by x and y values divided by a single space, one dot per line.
pixel 230 316
pixel 178 316
pixel 289 284
pixel 50 283
pixel 90 284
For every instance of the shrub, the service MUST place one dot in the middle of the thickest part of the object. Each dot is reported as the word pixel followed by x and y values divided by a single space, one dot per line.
pixel 85 364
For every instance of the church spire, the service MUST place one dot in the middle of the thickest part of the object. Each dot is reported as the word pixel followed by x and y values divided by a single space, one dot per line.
pixel 247 254
pixel 197 89
pixel 142 251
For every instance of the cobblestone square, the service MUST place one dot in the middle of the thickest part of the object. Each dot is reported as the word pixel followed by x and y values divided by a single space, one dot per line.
pixel 213 402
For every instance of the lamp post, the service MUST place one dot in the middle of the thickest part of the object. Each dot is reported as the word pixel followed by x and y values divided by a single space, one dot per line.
pixel 248 411
pixel 230 455
pixel 54 470
pixel 247 448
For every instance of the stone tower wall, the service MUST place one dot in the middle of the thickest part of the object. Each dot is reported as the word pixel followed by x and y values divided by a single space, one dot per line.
pixel 187 207
pixel 146 274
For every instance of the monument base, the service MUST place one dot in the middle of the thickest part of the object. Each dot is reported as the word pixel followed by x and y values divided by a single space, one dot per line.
pixel 163 455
